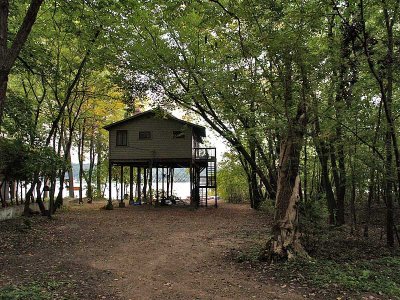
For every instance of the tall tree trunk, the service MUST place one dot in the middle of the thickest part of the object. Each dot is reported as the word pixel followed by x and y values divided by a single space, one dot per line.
pixel 256 196
pixel 92 157
pixel 341 189
pixel 2 193
pixel 353 198
pixel 285 241
pixel 388 192
pixel 52 193
pixel 16 192
pixel 28 197
pixel 371 186
pixel 11 186
pixel 326 183
pixel 70 178
pixel 80 157
pixel 39 199
pixel 323 156
pixel 3 91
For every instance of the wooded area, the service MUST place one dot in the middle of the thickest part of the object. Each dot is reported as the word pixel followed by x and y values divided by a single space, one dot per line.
pixel 305 93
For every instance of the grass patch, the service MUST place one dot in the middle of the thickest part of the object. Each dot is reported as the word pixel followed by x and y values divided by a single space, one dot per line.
pixel 252 254
pixel 31 291
pixel 379 276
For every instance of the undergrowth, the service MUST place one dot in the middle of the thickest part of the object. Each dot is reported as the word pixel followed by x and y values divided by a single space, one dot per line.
pixel 31 291
pixel 380 276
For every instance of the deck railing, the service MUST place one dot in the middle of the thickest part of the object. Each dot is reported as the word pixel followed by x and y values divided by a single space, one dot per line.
pixel 204 153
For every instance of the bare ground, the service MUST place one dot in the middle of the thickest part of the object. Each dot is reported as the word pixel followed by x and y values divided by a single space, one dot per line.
pixel 138 253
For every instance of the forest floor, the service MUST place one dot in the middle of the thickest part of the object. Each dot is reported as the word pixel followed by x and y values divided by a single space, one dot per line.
pixel 144 252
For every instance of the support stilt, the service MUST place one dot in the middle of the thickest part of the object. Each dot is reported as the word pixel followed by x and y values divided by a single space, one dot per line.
pixel 109 205
pixel 122 203
pixel 145 172
pixel 162 187
pixel 172 180
pixel 151 183
pixel 131 201
pixel 191 185
pixel 157 194
pixel 168 174
pixel 139 171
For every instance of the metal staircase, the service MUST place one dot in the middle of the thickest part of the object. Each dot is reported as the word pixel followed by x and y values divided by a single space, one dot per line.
pixel 205 176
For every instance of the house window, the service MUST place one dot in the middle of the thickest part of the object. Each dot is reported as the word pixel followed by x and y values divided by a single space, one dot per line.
pixel 144 135
pixel 122 138
pixel 178 134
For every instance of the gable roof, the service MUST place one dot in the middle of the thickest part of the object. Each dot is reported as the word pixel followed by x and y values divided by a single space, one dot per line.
pixel 162 114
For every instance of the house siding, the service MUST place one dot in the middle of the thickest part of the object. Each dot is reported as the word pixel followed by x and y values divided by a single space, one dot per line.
pixel 162 145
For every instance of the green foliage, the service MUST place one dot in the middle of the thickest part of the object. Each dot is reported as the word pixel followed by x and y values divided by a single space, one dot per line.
pixel 268 206
pixel 232 181
pixel 20 161
pixel 33 291
pixel 314 213
pixel 381 276
pixel 250 255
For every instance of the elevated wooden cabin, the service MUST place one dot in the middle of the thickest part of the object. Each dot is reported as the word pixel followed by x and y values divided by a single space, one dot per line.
pixel 155 139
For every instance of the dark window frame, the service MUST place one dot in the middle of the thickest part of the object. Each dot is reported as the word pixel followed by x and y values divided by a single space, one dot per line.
pixel 145 135
pixel 178 134
pixel 122 138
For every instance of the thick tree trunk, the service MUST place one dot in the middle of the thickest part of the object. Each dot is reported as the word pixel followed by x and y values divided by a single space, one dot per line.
pixel 3 90
pixel 285 243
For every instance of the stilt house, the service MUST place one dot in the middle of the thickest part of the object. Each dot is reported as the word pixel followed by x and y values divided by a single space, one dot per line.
pixel 154 140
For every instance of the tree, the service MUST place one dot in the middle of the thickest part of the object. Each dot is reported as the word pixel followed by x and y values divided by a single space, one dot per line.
pixel 232 180
pixel 8 55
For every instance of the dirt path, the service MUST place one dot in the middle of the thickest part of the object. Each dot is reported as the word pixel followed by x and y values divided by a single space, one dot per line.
pixel 139 253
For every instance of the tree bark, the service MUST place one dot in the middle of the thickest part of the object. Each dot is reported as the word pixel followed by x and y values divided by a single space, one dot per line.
pixel 388 192
pixel 92 157
pixel 70 177
pixel 285 241
pixel 80 157
pixel 323 156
